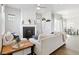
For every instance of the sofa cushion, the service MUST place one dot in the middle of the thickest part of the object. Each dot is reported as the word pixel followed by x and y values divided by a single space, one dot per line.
pixel 44 36
pixel 7 38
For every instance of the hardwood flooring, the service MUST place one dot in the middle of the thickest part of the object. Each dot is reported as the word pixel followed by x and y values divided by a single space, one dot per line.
pixel 65 51
pixel 71 47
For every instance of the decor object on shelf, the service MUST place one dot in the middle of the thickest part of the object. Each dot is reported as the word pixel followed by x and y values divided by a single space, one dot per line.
pixel 22 21
pixel 29 21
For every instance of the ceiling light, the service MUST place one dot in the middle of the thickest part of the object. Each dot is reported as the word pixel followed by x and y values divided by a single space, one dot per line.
pixel 38 8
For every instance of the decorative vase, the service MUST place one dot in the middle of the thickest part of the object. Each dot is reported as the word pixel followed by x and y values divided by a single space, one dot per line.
pixel 15 44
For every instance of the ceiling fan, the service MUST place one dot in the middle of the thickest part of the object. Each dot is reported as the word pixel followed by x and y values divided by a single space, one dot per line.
pixel 39 7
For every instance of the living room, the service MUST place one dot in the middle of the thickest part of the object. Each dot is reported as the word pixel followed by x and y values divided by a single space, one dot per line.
pixel 39 29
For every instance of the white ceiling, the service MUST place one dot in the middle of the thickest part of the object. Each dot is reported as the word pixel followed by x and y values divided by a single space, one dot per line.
pixel 31 7
pixel 65 9
pixel 22 6
pixel 55 7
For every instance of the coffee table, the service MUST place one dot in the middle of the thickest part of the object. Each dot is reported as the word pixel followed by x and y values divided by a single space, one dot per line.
pixel 23 44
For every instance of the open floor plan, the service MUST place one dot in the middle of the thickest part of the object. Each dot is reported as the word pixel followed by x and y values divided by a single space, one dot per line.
pixel 39 29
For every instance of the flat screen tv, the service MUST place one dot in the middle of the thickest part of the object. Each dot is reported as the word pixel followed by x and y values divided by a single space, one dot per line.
pixel 28 32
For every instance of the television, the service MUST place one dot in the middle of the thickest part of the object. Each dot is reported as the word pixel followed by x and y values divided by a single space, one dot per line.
pixel 28 32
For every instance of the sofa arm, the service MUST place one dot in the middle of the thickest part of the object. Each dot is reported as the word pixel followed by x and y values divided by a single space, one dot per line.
pixel 34 41
pixel 37 48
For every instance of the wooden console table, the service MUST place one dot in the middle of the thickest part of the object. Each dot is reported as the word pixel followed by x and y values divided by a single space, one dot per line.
pixel 24 44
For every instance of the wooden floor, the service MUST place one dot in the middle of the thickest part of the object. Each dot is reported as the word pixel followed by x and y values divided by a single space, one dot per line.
pixel 71 47
pixel 65 51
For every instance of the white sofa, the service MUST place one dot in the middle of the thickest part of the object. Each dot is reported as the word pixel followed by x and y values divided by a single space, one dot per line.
pixel 47 43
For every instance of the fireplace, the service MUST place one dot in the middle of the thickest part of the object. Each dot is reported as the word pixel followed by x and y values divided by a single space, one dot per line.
pixel 28 32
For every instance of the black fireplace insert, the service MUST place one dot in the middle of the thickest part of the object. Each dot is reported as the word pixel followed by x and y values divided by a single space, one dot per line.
pixel 28 32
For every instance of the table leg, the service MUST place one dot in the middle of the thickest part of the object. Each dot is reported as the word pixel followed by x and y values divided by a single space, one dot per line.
pixel 32 49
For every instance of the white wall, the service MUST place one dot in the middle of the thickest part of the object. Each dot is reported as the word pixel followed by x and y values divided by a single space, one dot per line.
pixel 71 16
pixel 2 19
pixel 12 23
pixel 28 14
pixel 46 27
pixel 49 16
pixel 73 19
pixel 58 25
pixel 31 14
pixel 73 22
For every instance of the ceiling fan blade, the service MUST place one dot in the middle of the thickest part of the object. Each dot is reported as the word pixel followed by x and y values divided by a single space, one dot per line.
pixel 39 6
pixel 42 7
